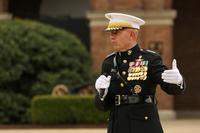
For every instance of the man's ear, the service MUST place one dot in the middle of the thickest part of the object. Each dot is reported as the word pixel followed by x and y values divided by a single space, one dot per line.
pixel 134 34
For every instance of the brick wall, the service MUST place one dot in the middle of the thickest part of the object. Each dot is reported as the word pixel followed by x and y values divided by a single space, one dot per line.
pixel 99 46
pixel 162 34
pixel 3 6
pixel 106 5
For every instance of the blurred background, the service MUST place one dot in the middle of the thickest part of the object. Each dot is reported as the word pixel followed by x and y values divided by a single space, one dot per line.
pixel 51 54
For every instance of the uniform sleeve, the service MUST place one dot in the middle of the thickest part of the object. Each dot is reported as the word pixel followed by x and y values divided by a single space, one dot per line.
pixel 106 104
pixel 157 68
pixel 102 105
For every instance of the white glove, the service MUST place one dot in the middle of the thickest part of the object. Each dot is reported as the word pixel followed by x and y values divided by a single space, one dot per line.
pixel 172 76
pixel 103 82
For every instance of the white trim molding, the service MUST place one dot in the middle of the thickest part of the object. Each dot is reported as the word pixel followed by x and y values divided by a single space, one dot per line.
pixel 152 17
pixel 188 114
pixel 167 114
pixel 179 114
pixel 5 16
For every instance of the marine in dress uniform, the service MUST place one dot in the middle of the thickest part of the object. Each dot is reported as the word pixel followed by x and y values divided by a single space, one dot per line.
pixel 130 77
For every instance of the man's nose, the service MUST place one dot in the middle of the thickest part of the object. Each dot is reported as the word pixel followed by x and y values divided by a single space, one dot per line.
pixel 112 35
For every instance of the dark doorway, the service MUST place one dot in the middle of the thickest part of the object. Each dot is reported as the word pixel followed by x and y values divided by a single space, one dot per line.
pixel 30 9
pixel 25 8
pixel 187 52
pixel 78 26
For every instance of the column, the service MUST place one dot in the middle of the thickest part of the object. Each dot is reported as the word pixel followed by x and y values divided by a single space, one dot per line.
pixel 4 9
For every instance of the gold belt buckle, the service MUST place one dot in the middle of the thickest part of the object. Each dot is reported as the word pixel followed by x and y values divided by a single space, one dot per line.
pixel 118 98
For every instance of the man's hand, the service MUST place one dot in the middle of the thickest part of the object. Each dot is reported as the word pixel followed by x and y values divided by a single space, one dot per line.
pixel 172 76
pixel 103 82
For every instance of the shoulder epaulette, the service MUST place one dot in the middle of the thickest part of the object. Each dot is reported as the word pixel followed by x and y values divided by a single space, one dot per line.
pixel 151 51
pixel 111 54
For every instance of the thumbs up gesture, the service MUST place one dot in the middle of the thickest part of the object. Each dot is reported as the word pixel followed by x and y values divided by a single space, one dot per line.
pixel 172 76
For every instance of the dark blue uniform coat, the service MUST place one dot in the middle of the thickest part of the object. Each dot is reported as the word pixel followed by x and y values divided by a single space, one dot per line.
pixel 134 118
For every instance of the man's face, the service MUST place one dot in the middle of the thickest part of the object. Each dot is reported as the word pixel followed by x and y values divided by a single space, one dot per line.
pixel 121 39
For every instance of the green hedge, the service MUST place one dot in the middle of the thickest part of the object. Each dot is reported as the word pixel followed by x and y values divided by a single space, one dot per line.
pixel 73 109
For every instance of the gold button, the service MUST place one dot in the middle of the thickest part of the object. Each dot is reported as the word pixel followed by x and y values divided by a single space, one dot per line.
pixel 129 52
pixel 121 84
pixel 124 61
pixel 124 73
pixel 146 117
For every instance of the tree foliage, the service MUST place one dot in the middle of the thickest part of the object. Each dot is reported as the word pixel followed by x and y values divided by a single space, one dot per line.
pixel 35 57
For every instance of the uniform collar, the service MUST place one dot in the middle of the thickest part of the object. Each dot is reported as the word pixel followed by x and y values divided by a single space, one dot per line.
pixel 130 52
